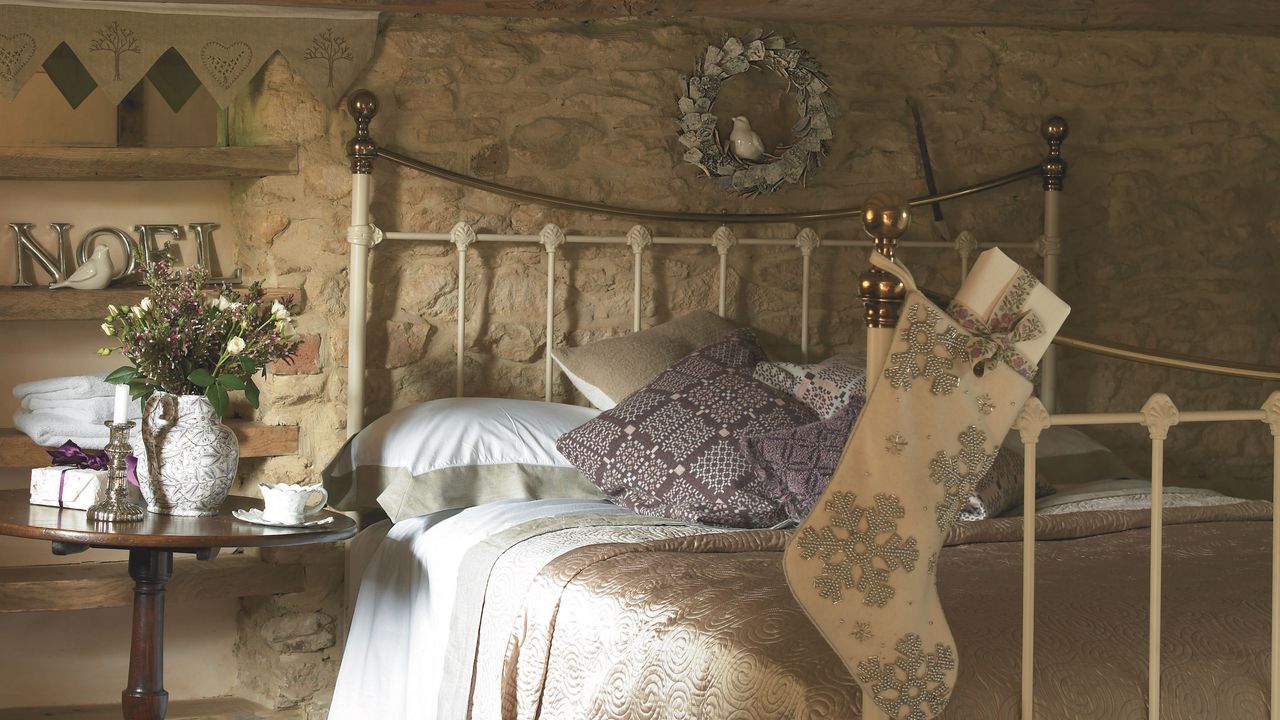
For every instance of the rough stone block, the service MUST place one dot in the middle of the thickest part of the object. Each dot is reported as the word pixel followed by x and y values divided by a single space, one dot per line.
pixel 300 632
pixel 305 362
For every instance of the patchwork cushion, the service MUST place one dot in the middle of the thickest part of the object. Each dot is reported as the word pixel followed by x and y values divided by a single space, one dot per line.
pixel 826 386
pixel 797 463
pixel 671 448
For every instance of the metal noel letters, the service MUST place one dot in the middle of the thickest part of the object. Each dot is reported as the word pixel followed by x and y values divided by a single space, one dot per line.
pixel 148 242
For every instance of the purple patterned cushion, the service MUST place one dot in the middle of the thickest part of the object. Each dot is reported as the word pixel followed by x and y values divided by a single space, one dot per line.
pixel 797 463
pixel 671 448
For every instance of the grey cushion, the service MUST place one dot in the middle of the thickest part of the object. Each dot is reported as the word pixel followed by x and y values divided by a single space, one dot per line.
pixel 609 370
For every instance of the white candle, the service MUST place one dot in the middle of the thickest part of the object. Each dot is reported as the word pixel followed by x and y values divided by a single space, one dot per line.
pixel 122 404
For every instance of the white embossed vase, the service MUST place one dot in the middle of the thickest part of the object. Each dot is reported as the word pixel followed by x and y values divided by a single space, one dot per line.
pixel 189 457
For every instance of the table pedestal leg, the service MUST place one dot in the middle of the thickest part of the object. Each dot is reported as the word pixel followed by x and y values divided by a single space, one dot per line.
pixel 145 697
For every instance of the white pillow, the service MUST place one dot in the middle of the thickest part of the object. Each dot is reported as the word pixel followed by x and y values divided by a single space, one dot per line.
pixel 458 452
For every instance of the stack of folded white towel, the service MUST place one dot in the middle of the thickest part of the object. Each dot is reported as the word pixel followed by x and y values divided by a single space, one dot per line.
pixel 68 408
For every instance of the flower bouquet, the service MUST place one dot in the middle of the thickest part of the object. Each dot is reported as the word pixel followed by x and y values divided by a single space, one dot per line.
pixel 188 351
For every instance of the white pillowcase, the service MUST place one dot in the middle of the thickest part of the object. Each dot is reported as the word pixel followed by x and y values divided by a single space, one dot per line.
pixel 458 452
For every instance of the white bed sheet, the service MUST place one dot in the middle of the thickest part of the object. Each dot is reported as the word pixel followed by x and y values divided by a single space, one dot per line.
pixel 395 651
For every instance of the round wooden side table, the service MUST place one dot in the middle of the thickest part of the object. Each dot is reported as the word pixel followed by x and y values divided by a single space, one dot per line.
pixel 151 545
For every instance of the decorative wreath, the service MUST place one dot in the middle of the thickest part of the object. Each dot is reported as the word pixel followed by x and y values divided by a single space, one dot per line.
pixel 811 133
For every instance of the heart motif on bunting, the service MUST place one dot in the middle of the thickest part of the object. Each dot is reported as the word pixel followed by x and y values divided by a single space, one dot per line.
pixel 226 63
pixel 15 52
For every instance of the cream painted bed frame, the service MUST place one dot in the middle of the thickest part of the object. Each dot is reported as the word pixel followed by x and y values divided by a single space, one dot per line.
pixel 885 219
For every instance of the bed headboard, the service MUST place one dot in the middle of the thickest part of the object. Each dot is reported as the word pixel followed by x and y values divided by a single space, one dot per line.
pixel 884 218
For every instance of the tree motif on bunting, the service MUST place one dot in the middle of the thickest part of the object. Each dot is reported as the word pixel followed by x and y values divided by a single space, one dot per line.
pixel 852 542
pixel 116 40
pixel 914 681
pixel 329 48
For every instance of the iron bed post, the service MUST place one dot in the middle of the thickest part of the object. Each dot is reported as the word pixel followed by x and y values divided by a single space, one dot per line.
pixel 363 105
pixel 1053 171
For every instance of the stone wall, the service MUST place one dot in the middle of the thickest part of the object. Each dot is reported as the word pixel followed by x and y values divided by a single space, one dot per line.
pixel 1170 231
pixel 1169 227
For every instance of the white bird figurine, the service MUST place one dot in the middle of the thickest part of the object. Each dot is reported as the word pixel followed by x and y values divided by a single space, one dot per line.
pixel 95 274
pixel 744 142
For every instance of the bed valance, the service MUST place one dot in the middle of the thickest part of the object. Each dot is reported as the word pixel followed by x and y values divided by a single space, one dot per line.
pixel 223 46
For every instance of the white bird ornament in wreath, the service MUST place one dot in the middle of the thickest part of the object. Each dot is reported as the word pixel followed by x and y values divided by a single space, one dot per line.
pixel 742 164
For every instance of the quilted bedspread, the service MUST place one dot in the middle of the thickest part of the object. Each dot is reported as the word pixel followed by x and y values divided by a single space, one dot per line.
pixel 668 622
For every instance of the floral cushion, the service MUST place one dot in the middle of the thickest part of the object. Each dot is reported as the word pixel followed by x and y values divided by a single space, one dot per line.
pixel 826 386
pixel 797 463
pixel 670 449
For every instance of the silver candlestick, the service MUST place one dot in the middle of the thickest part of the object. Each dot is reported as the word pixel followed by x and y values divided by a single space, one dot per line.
pixel 117 507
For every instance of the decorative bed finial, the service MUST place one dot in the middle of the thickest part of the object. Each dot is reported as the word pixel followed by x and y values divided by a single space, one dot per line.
pixel 362 105
pixel 885 217
pixel 1053 168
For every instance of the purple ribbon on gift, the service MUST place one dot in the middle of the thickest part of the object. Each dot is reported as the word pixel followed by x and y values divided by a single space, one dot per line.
pixel 73 457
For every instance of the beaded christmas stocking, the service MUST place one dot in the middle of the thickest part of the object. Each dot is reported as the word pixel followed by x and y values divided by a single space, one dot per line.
pixel 863 564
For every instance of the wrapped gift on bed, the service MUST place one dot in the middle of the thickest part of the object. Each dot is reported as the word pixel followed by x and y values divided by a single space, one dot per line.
pixel 77 479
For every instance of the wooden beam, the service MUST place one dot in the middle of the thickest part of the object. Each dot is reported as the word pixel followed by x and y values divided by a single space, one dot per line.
pixel 40 588
pixel 44 305
pixel 256 440
pixel 138 163
pixel 1249 17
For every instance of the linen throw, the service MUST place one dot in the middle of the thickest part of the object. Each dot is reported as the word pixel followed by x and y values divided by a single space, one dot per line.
pixel 863 564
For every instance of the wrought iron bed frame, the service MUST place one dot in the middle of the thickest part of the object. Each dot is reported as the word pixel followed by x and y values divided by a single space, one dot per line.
pixel 885 219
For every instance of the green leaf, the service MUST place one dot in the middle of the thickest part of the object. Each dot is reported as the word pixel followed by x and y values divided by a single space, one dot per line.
pixel 251 392
pixel 201 377
pixel 139 390
pixel 218 398
pixel 122 375
pixel 231 382
pixel 247 365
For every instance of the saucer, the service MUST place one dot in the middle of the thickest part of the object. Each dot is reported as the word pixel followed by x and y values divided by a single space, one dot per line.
pixel 254 515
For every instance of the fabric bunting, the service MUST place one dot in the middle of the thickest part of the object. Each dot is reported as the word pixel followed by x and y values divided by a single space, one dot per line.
pixel 223 47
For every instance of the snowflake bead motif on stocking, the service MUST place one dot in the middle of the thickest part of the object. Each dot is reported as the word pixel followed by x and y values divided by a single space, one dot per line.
pixel 959 474
pixel 916 680
pixel 919 359
pixel 852 541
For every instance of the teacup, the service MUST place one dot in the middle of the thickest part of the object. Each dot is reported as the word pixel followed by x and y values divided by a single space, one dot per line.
pixel 288 503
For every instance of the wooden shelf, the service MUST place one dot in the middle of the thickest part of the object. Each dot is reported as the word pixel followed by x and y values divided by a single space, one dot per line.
pixel 224 708
pixel 180 163
pixel 256 440
pixel 42 304
pixel 38 588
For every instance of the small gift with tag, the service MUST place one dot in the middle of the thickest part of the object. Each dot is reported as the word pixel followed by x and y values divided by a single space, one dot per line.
pixel 77 479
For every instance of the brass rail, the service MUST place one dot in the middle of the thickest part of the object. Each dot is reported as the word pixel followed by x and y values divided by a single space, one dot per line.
pixel 1169 360
pixel 646 214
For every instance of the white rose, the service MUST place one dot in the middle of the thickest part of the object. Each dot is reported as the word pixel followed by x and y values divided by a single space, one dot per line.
pixel 223 303
pixel 278 311
pixel 235 345
pixel 107 329
pixel 112 310
pixel 136 311
pixel 145 304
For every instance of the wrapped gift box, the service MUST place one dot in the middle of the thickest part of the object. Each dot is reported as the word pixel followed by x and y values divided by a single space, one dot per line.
pixel 70 487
